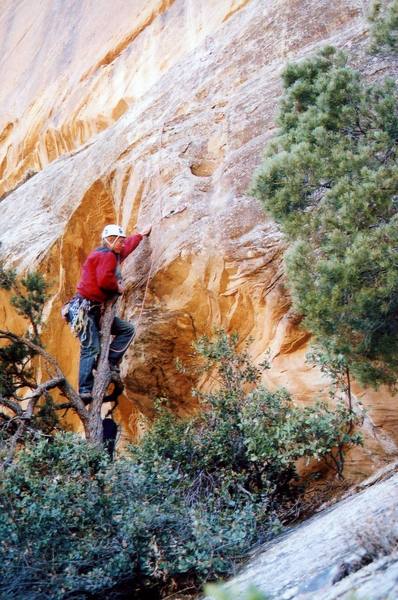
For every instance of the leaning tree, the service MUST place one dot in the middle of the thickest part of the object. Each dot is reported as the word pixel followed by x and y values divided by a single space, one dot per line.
pixel 28 405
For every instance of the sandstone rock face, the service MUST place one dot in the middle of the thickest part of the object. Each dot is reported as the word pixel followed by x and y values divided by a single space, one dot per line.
pixel 158 112
pixel 346 552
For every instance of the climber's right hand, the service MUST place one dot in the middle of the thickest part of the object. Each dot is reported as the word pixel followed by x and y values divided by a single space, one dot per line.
pixel 146 231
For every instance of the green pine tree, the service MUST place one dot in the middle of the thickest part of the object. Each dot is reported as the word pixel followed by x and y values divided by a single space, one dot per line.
pixel 330 180
pixel 17 372
pixel 384 25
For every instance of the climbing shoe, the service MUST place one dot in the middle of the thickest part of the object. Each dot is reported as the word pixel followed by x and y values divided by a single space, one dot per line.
pixel 116 379
pixel 115 374
pixel 86 397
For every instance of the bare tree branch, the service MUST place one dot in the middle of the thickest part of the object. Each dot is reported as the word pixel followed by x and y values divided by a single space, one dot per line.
pixel 13 446
pixel 14 406
pixel 44 387
pixel 63 406
pixel 38 349
pixel 24 418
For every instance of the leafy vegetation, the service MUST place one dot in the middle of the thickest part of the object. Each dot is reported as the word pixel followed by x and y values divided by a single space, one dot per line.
pixel 181 508
pixel 330 179
pixel 17 369
pixel 384 25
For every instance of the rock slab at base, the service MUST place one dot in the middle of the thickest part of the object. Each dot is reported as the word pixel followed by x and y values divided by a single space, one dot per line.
pixel 309 561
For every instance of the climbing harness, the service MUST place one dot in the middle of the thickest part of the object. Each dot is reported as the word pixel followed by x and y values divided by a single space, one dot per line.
pixel 76 313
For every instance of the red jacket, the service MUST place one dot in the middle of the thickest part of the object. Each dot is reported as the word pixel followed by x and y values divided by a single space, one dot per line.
pixel 101 271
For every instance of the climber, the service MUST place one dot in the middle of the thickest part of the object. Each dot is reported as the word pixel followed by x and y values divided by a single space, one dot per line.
pixel 100 281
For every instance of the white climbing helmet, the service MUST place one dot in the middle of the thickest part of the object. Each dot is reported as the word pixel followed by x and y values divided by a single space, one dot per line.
pixel 113 230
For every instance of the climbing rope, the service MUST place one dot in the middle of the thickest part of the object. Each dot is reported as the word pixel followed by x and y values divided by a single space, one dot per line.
pixel 154 255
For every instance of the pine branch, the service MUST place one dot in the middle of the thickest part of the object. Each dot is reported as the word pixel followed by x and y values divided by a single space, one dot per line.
pixel 63 385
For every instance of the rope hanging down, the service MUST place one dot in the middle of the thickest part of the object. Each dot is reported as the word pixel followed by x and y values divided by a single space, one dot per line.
pixel 154 256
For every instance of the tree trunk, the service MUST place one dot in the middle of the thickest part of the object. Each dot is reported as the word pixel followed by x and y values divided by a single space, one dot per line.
pixel 102 378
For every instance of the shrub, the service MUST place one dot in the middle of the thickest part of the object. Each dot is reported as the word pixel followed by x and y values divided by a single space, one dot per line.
pixel 293 432
pixel 73 523
pixel 55 531
pixel 187 502
pixel 330 180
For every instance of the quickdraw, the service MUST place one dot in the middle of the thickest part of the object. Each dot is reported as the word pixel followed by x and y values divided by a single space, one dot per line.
pixel 77 315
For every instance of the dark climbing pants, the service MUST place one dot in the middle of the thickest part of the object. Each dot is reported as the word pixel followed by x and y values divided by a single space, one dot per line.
pixel 123 333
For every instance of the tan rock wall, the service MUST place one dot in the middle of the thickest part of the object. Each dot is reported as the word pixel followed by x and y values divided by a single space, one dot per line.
pixel 159 113
pixel 74 67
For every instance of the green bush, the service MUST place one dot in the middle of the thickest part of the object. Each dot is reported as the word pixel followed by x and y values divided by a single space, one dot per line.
pixel 72 523
pixel 330 180
pixel 180 509
pixel 55 530
pixel 384 25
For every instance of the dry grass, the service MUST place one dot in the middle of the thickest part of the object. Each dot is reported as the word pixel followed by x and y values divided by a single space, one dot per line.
pixel 379 538
pixel 376 538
